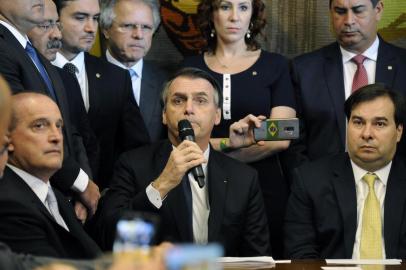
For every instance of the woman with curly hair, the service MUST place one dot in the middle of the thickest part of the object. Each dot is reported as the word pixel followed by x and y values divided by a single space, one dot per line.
pixel 255 82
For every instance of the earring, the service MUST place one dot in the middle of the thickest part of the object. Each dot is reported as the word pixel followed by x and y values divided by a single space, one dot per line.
pixel 212 33
pixel 249 30
pixel 248 34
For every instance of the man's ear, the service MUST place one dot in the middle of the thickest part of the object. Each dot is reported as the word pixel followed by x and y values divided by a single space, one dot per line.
pixel 399 130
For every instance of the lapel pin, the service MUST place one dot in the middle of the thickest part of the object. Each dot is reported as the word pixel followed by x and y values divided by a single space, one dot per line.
pixel 389 67
pixel 98 75
pixel 254 73
pixel 225 181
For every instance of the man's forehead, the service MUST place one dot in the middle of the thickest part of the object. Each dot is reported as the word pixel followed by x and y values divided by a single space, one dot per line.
pixel 191 86
pixel 381 107
pixel 90 7
pixel 350 3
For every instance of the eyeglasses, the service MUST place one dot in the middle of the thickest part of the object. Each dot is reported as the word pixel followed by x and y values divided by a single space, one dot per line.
pixel 130 27
pixel 49 25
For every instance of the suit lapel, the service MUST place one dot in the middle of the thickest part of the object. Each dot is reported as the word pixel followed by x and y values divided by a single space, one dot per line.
pixel 344 186
pixel 28 194
pixel 148 97
pixel 20 54
pixel 395 200
pixel 95 81
pixel 333 68
pixel 386 67
pixel 217 185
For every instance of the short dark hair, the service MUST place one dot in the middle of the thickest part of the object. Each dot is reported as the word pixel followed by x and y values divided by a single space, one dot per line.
pixel 205 17
pixel 194 73
pixel 374 2
pixel 60 4
pixel 372 92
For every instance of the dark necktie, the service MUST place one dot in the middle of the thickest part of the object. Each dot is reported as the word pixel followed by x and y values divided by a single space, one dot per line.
pixel 360 76
pixel 34 57
pixel 189 203
pixel 71 68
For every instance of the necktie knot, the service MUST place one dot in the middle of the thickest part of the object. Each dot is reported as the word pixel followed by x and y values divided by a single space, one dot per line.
pixel 358 59
pixel 133 73
pixel 71 68
pixel 370 178
pixel 30 50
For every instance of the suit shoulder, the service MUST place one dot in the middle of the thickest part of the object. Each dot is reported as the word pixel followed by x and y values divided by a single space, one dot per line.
pixel 324 165
pixel 229 163
pixel 316 55
pixel 102 64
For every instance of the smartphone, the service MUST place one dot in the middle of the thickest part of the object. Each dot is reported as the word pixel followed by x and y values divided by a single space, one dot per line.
pixel 277 129
pixel 135 231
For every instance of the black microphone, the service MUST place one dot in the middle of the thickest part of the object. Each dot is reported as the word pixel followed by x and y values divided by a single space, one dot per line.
pixel 186 133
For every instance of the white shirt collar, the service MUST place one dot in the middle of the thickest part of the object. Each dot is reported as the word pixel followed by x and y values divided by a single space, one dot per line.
pixel 38 186
pixel 382 173
pixel 78 61
pixel 137 67
pixel 371 53
pixel 22 39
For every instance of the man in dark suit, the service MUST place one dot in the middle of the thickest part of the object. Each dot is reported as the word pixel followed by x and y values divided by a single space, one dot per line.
pixel 106 89
pixel 128 27
pixel 36 218
pixel 46 38
pixel 25 69
pixel 323 79
pixel 353 205
pixel 228 209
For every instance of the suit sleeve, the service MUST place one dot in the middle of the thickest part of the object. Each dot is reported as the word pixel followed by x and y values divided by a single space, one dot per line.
pixel 300 234
pixel 296 154
pixel 10 70
pixel 126 193
pixel 256 235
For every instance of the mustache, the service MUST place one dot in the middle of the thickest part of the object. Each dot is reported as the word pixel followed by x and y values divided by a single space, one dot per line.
pixel 54 44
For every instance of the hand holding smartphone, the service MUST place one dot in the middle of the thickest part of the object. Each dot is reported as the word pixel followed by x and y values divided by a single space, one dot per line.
pixel 277 130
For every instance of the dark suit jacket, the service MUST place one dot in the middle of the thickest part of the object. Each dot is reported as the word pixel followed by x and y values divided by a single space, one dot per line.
pixel 152 83
pixel 319 85
pixel 79 119
pixel 28 227
pixel 22 75
pixel 113 114
pixel 321 217
pixel 237 219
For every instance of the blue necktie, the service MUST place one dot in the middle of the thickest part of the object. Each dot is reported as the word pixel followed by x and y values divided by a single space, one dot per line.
pixel 34 57
pixel 189 201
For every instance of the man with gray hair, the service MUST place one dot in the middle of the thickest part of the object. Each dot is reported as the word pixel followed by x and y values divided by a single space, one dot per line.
pixel 128 26
pixel 227 208
pixel 106 89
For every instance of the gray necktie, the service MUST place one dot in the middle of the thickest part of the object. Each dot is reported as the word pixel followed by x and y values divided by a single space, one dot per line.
pixel 52 204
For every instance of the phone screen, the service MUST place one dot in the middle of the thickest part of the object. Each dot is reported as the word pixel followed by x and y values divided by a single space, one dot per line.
pixel 133 234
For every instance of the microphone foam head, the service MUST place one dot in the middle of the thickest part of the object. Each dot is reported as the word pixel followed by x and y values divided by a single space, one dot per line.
pixel 185 129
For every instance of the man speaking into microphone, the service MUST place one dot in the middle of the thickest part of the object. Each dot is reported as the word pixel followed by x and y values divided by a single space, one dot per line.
pixel 225 206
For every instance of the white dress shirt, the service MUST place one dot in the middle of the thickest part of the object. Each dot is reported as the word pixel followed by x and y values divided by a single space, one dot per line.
pixel 350 67
pixel 79 63
pixel 362 191
pixel 82 179
pixel 38 186
pixel 200 203
pixel 135 80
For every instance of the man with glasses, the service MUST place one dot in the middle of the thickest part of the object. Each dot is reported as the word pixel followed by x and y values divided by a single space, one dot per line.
pixel 24 68
pixel 128 26
pixel 106 89
pixel 47 39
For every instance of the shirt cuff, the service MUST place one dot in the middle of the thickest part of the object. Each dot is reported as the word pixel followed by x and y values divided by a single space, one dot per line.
pixel 153 196
pixel 81 182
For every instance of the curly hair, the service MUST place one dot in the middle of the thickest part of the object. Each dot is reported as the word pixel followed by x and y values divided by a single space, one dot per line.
pixel 205 23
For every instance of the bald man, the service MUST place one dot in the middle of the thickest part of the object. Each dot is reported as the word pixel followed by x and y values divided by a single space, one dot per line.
pixel 35 217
